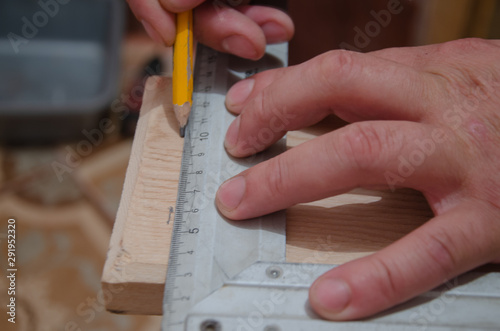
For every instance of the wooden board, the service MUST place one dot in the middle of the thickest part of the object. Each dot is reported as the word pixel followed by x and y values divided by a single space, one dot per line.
pixel 333 230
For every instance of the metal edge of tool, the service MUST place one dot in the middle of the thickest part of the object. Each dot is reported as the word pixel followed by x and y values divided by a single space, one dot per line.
pixel 274 297
pixel 206 249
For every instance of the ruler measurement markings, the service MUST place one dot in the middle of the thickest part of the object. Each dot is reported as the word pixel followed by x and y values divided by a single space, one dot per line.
pixel 183 249
pixel 201 238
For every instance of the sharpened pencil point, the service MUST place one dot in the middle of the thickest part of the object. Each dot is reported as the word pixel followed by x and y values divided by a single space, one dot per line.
pixel 182 115
pixel 182 86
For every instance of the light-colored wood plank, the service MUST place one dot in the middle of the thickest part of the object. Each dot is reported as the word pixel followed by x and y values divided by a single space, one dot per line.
pixel 333 230
pixel 137 257
pixel 348 226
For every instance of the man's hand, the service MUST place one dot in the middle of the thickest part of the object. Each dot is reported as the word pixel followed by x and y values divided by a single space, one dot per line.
pixel 238 29
pixel 427 118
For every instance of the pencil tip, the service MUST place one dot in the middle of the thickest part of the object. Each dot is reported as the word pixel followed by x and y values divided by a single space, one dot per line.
pixel 182 131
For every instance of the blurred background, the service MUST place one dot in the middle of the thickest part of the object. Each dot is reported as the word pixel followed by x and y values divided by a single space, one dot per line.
pixel 71 85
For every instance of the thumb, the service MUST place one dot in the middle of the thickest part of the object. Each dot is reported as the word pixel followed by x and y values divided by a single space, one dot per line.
pixel 438 251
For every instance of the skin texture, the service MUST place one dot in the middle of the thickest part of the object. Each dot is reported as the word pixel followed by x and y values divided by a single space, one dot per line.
pixel 241 30
pixel 427 118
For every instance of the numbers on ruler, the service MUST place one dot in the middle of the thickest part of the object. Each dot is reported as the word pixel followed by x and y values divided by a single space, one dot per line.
pixel 182 298
pixel 187 274
pixel 204 135
pixel 198 154
pixel 185 236
pixel 190 252
pixel 192 231
pixel 211 59
pixel 194 191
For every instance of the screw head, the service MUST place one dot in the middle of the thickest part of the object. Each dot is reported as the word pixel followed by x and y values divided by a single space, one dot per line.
pixel 210 325
pixel 274 272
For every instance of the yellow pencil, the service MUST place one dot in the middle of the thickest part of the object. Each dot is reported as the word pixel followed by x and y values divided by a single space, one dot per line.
pixel 183 69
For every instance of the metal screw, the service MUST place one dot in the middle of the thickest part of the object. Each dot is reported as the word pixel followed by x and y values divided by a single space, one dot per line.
pixel 274 272
pixel 210 325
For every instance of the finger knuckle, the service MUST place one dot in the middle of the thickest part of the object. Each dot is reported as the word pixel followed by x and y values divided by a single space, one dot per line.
pixel 266 108
pixel 263 102
pixel 335 65
pixel 278 177
pixel 361 145
pixel 387 280
pixel 441 249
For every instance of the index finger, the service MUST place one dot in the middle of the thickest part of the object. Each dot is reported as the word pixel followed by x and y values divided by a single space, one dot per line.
pixel 178 6
pixel 159 24
pixel 351 85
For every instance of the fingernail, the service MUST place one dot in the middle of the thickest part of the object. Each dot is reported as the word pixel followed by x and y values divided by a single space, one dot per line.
pixel 231 193
pixel 232 134
pixel 274 32
pixel 177 6
pixel 239 93
pixel 332 295
pixel 153 34
pixel 240 46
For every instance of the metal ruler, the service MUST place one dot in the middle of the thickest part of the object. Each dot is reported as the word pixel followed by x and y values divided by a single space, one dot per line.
pixel 208 250
pixel 225 275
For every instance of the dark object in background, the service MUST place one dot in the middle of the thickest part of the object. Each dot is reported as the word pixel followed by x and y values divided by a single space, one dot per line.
pixel 325 25
pixel 273 3
pixel 131 116
pixel 59 66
